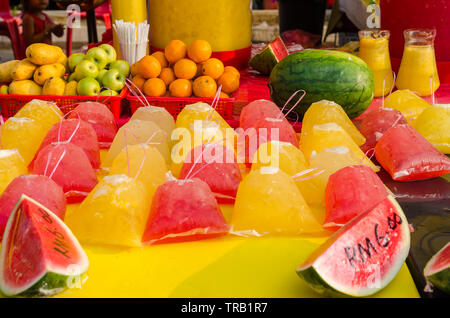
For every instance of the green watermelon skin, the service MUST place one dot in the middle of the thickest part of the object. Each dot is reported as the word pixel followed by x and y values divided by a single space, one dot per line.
pixel 265 60
pixel 324 74
pixel 437 270
pixel 49 285
pixel 441 280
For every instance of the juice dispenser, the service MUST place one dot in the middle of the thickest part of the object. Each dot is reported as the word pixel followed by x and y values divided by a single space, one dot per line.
pixel 225 24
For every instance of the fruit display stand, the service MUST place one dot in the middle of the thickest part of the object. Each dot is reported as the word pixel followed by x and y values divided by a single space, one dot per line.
pixel 10 103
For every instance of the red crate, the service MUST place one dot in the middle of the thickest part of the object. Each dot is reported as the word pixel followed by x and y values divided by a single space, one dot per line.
pixel 10 104
pixel 174 105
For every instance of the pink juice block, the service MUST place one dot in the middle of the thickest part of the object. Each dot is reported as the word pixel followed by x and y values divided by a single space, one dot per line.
pixel 257 110
pixel 216 165
pixel 68 165
pixel 101 119
pixel 376 122
pixel 40 188
pixel 79 133
pixel 184 210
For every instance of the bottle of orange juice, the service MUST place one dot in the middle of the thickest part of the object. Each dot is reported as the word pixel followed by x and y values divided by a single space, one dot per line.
pixel 418 71
pixel 374 50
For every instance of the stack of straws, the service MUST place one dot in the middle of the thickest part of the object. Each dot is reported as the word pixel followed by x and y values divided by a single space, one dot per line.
pixel 133 44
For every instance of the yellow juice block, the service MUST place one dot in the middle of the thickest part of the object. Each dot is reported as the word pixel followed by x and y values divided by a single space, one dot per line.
pixel 325 111
pixel 198 133
pixel 138 132
pixel 434 125
pixel 269 202
pixel 290 159
pixel 158 115
pixel 330 135
pixel 408 103
pixel 114 213
pixel 11 166
pixel 23 134
pixel 46 113
pixel 199 111
pixel 142 162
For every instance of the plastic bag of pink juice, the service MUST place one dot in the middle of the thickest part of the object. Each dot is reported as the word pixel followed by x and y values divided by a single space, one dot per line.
pixel 376 122
pixel 101 119
pixel 216 165
pixel 258 109
pixel 184 210
pixel 67 165
pixel 264 130
pixel 349 192
pixel 407 156
pixel 79 133
pixel 40 188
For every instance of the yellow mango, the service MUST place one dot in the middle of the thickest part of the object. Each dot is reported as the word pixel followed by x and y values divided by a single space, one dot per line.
pixel 25 87
pixel 54 86
pixel 23 70
pixel 41 53
pixel 64 61
pixel 44 72
pixel 71 88
pixel 6 71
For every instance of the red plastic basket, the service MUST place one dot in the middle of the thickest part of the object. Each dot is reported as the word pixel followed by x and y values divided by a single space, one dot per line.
pixel 174 105
pixel 10 104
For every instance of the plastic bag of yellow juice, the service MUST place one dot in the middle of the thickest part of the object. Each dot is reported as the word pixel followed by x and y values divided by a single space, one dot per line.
pixel 46 113
pixel 407 102
pixel 325 111
pixel 142 162
pixel 114 213
pixel 158 115
pixel 138 132
pixel 11 166
pixel 23 134
pixel 269 202
pixel 198 133
pixel 330 160
pixel 321 137
pixel 199 111
pixel 434 124
pixel 289 159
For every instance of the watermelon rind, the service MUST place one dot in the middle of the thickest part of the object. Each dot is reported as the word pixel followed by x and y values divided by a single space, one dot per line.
pixel 439 278
pixel 327 286
pixel 266 59
pixel 52 280
pixel 324 74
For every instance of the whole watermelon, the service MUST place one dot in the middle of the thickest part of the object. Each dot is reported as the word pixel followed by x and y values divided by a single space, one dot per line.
pixel 324 74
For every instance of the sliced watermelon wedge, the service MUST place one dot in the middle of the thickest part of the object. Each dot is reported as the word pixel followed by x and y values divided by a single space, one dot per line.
pixel 266 59
pixel 362 257
pixel 40 256
pixel 437 270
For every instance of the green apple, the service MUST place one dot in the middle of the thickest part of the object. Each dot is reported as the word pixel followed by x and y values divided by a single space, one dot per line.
pixel 88 86
pixel 86 68
pixel 72 77
pixel 110 51
pixel 114 80
pixel 100 75
pixel 107 92
pixel 122 66
pixel 98 56
pixel 4 89
pixel 74 60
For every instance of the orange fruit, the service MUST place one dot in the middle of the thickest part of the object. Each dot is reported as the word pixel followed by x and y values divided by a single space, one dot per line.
pixel 154 87
pixel 134 69
pixel 205 86
pixel 185 68
pixel 149 67
pixel 167 75
pixel 174 51
pixel 223 95
pixel 199 51
pixel 232 69
pixel 139 81
pixel 213 67
pixel 229 81
pixel 161 58
pixel 180 88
